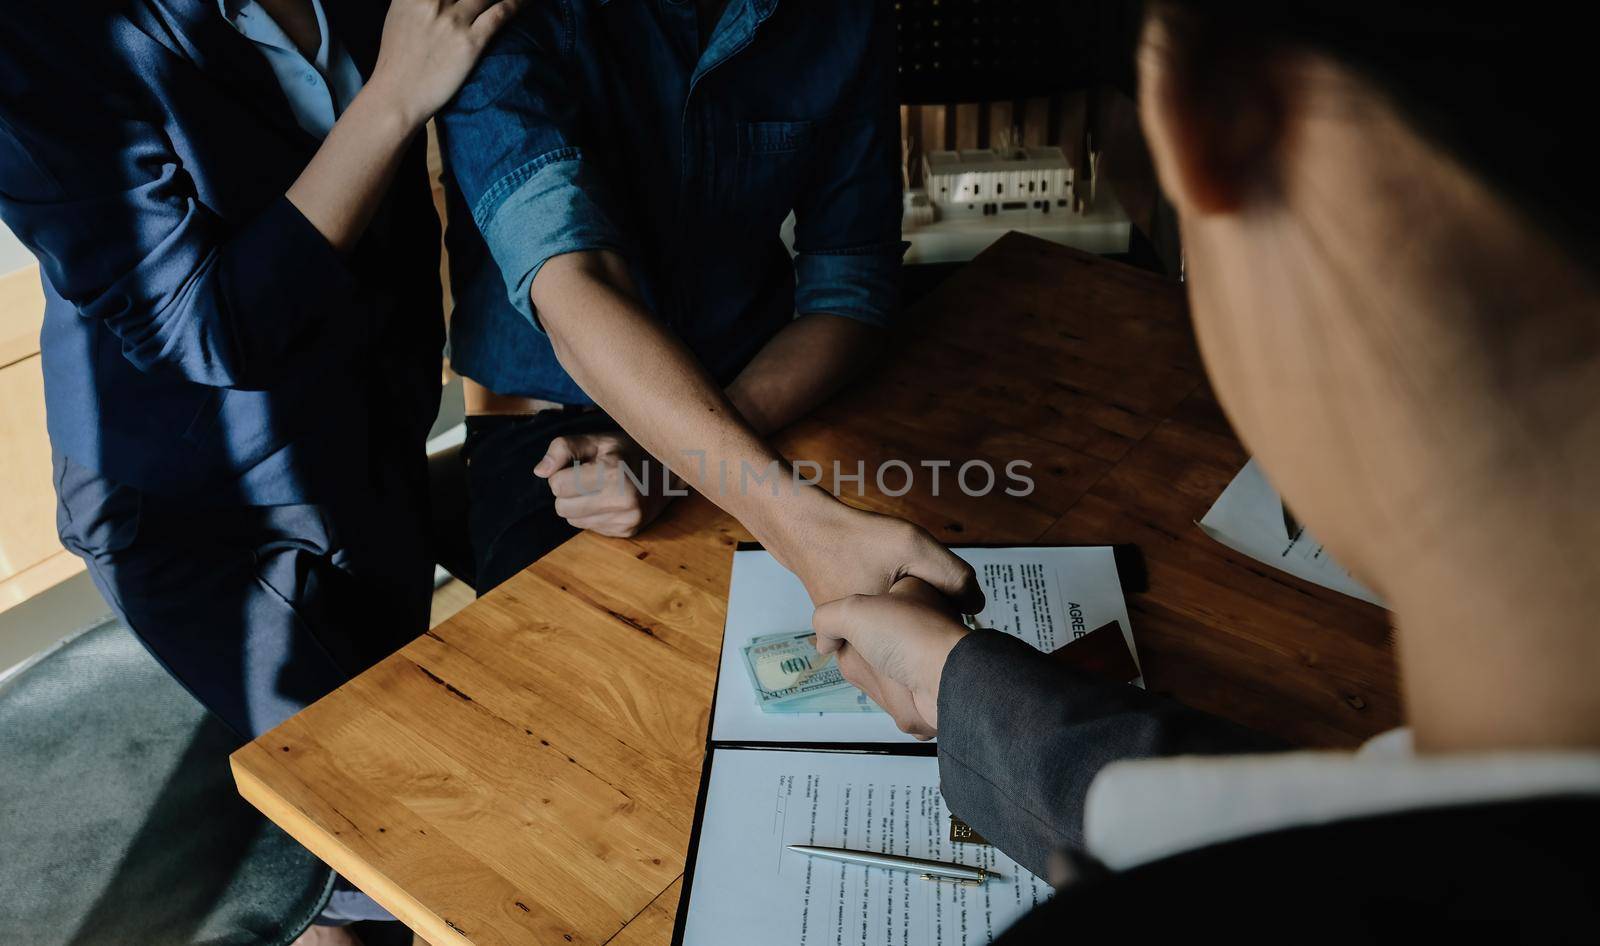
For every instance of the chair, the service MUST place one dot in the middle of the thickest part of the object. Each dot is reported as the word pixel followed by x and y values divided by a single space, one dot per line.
pixel 119 821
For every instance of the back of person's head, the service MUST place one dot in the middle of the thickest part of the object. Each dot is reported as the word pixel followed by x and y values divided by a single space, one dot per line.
pixel 1390 235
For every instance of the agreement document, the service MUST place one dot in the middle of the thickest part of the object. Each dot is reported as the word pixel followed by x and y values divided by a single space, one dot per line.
pixel 747 887
pixel 1250 517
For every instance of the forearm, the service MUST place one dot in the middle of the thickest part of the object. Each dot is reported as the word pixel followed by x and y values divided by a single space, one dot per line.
pixel 799 368
pixel 646 379
pixel 1021 738
pixel 341 188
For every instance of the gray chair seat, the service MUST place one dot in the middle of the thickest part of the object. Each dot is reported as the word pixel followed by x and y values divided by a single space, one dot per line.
pixel 119 821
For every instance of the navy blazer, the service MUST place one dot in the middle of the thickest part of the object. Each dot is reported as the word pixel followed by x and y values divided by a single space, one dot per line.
pixel 200 336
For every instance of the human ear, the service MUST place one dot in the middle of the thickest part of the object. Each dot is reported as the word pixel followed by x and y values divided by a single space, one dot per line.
pixel 1212 110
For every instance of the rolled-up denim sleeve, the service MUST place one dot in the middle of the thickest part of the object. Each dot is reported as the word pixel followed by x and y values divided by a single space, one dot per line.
pixel 847 221
pixel 514 139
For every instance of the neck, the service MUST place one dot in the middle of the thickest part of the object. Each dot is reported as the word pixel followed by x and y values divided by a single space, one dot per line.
pixel 298 21
pixel 1469 374
pixel 1495 571
pixel 1500 656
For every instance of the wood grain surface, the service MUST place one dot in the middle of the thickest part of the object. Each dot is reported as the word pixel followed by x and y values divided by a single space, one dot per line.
pixel 31 557
pixel 526 772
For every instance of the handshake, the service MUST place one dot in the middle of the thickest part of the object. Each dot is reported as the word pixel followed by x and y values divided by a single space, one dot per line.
pixel 868 653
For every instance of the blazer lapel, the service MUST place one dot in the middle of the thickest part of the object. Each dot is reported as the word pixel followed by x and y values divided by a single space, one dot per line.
pixel 195 30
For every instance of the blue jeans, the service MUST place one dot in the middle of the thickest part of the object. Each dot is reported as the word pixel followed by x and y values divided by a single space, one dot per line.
pixel 512 515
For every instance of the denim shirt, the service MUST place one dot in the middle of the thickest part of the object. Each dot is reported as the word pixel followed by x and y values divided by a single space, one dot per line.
pixel 600 124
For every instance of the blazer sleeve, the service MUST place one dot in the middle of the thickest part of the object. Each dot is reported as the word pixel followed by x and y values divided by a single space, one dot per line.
pixel 97 192
pixel 1021 737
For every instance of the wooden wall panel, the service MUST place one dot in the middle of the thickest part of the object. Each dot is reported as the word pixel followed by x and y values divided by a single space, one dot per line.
pixel 1033 118
pixel 966 125
pixel 1058 120
pixel 1001 118
pixel 1070 122
pixel 21 315
pixel 28 514
pixel 31 557
pixel 930 127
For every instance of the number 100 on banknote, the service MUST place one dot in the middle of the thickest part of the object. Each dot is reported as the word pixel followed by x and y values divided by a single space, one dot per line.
pixel 789 676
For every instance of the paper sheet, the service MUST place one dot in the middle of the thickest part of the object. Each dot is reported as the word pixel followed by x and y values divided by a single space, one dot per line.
pixel 748 888
pixel 1046 596
pixel 1250 517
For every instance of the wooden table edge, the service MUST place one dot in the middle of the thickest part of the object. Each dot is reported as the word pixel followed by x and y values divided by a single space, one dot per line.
pixel 389 895
pixel 406 908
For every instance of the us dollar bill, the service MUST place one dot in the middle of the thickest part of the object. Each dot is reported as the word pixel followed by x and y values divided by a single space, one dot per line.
pixel 847 700
pixel 790 677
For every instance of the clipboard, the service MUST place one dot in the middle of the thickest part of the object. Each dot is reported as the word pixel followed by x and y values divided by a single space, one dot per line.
pixel 1044 594
pixel 1095 653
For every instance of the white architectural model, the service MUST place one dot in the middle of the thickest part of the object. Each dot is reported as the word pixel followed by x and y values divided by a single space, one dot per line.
pixel 989 182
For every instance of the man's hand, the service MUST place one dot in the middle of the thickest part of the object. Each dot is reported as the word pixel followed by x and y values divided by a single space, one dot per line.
pixel 892 696
pixel 838 550
pixel 596 480
pixel 643 375
pixel 894 646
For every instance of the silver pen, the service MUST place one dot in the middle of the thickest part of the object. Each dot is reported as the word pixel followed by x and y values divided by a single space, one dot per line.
pixel 930 870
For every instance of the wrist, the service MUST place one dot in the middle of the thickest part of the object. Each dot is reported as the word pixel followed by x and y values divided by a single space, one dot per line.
pixel 929 670
pixel 749 406
pixel 381 104
pixel 800 518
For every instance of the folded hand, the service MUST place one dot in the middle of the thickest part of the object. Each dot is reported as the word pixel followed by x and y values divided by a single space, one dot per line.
pixel 605 482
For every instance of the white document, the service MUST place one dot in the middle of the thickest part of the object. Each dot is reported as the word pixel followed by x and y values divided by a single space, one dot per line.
pixel 1046 596
pixel 748 888
pixel 1250 517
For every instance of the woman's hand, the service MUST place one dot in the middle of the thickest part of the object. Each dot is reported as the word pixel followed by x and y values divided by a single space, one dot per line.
pixel 428 49
pixel 893 647
pixel 598 493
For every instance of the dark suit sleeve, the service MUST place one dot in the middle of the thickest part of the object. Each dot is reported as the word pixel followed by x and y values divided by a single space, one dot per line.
pixel 1021 737
pixel 91 184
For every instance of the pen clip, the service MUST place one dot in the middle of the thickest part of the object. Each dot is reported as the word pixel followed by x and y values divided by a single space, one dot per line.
pixel 963 881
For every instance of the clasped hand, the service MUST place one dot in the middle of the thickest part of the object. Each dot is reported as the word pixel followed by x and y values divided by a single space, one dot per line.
pixel 893 647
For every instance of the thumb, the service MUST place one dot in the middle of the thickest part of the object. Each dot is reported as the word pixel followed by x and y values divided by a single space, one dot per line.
pixel 831 623
pixel 913 588
pixel 562 452
pixel 950 575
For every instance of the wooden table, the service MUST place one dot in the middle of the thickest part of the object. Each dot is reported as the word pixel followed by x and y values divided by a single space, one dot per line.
pixel 527 772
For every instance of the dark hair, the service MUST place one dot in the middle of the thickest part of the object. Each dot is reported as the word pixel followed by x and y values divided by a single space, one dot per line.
pixel 1488 83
